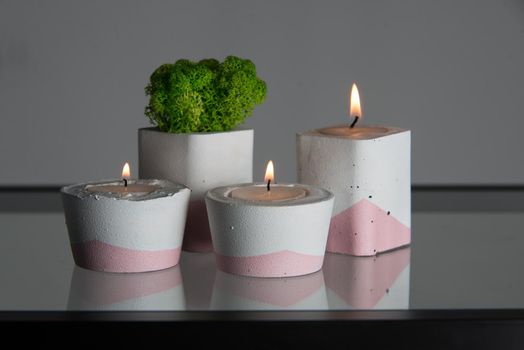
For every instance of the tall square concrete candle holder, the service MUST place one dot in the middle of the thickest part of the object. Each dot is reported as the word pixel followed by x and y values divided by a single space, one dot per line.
pixel 368 169
pixel 279 232
pixel 133 228
pixel 201 161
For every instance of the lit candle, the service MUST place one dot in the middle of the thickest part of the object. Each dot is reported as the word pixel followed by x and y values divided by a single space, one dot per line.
pixel 368 169
pixel 269 191
pixel 354 130
pixel 117 228
pixel 269 230
pixel 124 187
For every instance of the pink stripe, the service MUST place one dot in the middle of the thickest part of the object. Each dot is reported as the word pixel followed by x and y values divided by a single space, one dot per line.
pixel 279 264
pixel 100 256
pixel 105 288
pixel 366 229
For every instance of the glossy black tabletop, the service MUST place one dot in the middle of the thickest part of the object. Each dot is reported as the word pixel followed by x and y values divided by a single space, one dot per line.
pixel 465 262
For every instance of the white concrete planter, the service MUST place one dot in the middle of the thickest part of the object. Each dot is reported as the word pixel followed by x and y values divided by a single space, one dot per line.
pixel 275 239
pixel 157 290
pixel 136 233
pixel 201 161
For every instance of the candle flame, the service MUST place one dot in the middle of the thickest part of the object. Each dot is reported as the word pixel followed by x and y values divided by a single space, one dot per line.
pixel 270 172
pixel 126 173
pixel 354 103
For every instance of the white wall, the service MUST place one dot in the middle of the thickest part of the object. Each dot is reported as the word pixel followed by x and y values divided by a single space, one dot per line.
pixel 72 75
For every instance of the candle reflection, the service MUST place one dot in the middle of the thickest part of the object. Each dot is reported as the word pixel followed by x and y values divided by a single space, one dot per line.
pixel 233 292
pixel 158 290
pixel 377 282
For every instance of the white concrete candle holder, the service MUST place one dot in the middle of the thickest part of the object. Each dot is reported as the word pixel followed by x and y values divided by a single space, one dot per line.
pixel 118 231
pixel 368 170
pixel 201 161
pixel 368 282
pixel 269 239
pixel 150 291
pixel 231 292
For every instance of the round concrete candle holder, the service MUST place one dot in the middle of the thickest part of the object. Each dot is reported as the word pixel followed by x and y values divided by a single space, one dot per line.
pixel 117 230
pixel 261 238
pixel 149 291
pixel 201 161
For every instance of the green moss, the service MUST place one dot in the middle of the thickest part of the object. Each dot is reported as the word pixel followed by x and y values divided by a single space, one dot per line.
pixel 203 96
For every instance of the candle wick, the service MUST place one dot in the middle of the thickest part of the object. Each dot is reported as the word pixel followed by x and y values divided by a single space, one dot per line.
pixel 269 185
pixel 125 182
pixel 354 122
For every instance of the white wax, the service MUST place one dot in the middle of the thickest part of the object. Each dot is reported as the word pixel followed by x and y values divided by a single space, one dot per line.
pixel 363 132
pixel 259 193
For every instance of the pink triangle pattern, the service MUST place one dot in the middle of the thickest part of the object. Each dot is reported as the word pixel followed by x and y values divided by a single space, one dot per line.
pixel 365 229
pixel 363 281
pixel 101 256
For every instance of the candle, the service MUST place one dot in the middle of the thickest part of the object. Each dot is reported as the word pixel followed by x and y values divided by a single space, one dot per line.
pixel 267 192
pixel 126 225
pixel 356 131
pixel 124 187
pixel 269 230
pixel 368 169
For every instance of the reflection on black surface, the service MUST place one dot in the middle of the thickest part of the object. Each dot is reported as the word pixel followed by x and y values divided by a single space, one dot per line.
pixel 157 290
pixel 232 292
pixel 198 271
pixel 380 281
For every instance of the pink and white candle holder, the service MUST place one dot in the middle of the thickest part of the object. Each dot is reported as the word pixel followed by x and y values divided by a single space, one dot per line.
pixel 368 169
pixel 280 238
pixel 134 229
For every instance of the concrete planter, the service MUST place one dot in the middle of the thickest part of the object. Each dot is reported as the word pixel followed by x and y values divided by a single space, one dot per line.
pixel 201 161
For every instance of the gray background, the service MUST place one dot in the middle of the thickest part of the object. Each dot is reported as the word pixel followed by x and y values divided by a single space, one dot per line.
pixel 72 75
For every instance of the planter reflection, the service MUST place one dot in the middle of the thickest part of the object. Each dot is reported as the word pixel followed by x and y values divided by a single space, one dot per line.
pixel 234 292
pixel 377 282
pixel 158 290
